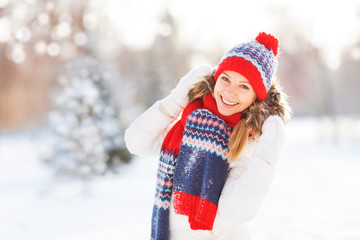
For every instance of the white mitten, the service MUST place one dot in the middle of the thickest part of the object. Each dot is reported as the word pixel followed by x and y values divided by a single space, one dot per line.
pixel 271 140
pixel 178 98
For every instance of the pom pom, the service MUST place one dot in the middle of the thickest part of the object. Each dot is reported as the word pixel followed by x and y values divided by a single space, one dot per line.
pixel 269 41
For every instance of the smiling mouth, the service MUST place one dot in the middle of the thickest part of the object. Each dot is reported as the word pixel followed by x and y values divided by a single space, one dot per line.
pixel 227 102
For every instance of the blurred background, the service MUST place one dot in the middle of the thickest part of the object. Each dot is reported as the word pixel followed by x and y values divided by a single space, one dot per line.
pixel 74 74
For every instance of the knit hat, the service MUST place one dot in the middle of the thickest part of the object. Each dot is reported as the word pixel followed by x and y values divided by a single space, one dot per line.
pixel 255 60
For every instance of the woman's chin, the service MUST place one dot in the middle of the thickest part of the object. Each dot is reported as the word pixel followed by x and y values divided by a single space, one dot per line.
pixel 226 112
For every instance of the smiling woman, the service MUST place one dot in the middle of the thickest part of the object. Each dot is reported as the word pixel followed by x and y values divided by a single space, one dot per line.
pixel 219 134
pixel 233 93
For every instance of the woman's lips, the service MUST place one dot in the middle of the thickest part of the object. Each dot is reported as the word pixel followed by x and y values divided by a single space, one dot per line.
pixel 228 103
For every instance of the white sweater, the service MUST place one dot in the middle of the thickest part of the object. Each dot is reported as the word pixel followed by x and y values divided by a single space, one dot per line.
pixel 247 183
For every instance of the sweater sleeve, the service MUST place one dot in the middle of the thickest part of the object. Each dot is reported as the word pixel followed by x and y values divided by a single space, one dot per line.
pixel 145 135
pixel 241 202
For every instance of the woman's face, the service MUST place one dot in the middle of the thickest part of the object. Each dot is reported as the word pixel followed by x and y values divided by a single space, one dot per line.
pixel 233 93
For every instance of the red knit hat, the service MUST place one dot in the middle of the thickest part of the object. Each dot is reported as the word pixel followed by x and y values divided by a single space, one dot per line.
pixel 255 60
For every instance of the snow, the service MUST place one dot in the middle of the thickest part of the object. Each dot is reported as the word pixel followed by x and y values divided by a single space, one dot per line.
pixel 314 196
pixel 316 191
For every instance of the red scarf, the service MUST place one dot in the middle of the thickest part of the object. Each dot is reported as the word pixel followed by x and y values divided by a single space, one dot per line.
pixel 168 162
pixel 174 137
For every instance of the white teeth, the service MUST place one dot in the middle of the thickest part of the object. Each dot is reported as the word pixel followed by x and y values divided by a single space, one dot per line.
pixel 229 103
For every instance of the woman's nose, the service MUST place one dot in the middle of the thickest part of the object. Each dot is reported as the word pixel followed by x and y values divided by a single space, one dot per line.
pixel 231 90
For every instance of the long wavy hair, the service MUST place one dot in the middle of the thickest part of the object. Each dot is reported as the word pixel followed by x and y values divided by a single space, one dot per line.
pixel 274 104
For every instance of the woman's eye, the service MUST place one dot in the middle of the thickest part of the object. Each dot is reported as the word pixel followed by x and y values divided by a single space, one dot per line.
pixel 225 79
pixel 244 86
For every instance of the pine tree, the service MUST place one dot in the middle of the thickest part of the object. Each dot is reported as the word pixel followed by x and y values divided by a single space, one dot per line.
pixel 167 60
pixel 88 140
pixel 61 40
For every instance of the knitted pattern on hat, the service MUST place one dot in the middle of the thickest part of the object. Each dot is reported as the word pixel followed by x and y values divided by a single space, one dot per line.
pixel 255 60
pixel 200 137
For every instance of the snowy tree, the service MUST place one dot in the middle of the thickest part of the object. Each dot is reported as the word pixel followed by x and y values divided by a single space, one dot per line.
pixel 167 60
pixel 44 40
pixel 88 140
pixel 157 69
pixel 36 38
pixel 348 85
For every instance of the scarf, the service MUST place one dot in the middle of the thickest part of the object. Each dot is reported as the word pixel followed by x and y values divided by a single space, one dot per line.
pixel 197 146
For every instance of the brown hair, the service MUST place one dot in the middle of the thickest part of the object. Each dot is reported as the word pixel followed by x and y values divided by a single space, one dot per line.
pixel 274 104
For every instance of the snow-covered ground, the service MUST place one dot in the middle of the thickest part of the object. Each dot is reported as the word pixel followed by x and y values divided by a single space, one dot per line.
pixel 315 195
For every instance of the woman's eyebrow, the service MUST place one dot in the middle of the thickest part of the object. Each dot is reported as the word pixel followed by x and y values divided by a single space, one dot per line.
pixel 225 74
pixel 247 82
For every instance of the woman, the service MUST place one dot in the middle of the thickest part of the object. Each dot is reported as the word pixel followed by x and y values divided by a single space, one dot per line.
pixel 218 134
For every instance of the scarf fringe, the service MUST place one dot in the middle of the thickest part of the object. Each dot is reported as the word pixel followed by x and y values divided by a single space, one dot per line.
pixel 201 212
